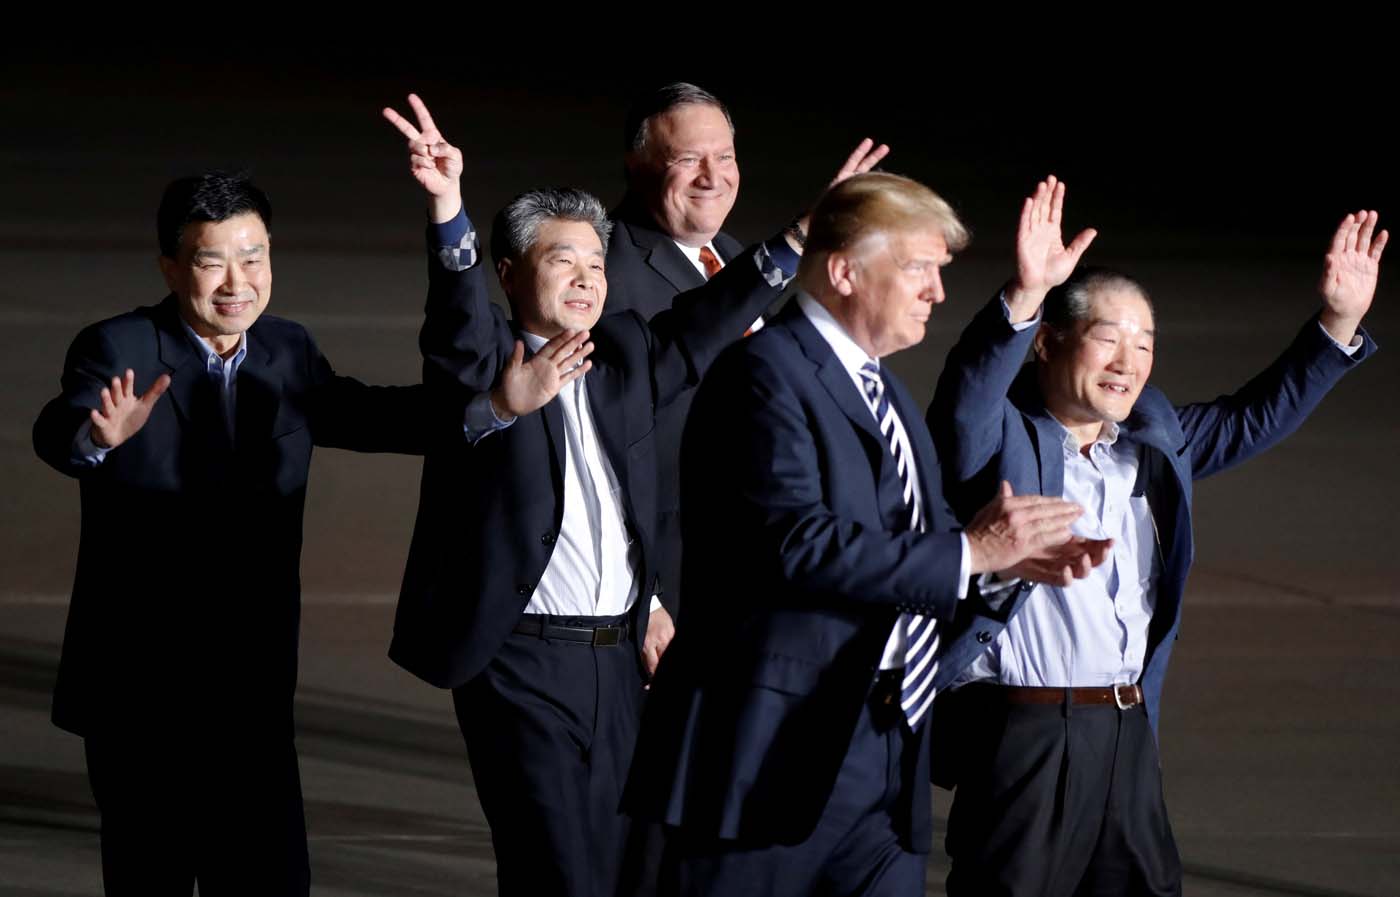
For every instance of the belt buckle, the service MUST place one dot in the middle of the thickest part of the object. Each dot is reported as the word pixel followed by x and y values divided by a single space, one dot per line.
pixel 1118 699
pixel 607 636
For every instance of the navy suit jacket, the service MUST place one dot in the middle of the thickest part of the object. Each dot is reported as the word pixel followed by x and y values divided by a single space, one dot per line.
pixel 794 535
pixel 645 273
pixel 489 513
pixel 991 425
pixel 185 606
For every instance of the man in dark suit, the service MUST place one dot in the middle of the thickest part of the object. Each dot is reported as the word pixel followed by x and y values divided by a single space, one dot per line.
pixel 1059 785
pixel 189 426
pixel 784 743
pixel 682 180
pixel 530 581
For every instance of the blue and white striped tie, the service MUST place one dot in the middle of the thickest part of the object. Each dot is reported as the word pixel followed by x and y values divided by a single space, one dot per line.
pixel 921 639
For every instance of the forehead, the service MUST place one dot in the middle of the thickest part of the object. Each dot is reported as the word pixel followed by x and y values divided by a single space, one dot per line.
pixel 240 231
pixel 554 232
pixel 690 124
pixel 903 246
pixel 1126 308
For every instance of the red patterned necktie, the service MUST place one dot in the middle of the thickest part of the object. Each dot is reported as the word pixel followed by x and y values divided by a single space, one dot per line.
pixel 711 263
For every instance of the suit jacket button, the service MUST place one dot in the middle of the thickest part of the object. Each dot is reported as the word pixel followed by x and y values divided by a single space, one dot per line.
pixel 547 538
pixel 984 636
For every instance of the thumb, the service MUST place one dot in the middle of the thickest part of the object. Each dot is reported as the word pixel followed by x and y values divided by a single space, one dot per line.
pixel 1082 242
pixel 517 356
pixel 1006 489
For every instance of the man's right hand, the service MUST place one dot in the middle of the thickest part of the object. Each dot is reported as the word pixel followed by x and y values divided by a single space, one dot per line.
pixel 1060 565
pixel 1013 528
pixel 526 386
pixel 123 412
pixel 433 162
pixel 1043 260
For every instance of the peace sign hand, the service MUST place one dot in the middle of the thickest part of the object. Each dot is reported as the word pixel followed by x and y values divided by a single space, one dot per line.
pixel 433 162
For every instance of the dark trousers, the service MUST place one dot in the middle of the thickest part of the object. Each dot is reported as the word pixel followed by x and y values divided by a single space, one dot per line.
pixel 187 808
pixel 549 727
pixel 856 848
pixel 1058 801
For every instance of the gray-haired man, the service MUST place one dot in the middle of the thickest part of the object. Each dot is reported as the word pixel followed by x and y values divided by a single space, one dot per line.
pixel 529 583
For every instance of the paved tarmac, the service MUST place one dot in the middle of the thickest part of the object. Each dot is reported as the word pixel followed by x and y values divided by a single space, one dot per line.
pixel 1280 735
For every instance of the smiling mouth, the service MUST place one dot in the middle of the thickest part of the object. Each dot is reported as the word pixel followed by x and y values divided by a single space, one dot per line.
pixel 232 308
pixel 1116 388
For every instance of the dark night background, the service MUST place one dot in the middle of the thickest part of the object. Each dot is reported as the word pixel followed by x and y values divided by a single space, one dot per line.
pixel 1220 191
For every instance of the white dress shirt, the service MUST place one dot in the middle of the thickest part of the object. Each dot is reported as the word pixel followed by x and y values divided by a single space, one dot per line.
pixel 693 253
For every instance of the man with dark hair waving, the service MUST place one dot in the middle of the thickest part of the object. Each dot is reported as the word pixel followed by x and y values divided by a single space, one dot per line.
pixel 189 425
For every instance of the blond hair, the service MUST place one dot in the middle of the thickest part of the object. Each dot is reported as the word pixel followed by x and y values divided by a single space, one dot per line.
pixel 877 203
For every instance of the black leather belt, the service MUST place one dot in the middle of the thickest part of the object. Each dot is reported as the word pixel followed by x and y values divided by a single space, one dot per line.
pixel 598 636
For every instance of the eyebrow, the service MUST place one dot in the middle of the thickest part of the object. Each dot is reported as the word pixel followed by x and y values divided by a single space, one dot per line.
pixel 202 254
pixel 1107 323
pixel 560 247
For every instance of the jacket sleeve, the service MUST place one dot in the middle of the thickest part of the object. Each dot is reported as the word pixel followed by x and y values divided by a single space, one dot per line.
pixel 91 364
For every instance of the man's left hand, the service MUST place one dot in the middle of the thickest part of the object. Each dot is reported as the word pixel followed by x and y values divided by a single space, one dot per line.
pixel 1349 275
pixel 660 631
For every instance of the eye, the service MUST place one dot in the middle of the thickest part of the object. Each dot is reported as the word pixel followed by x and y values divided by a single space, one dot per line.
pixel 687 161
pixel 596 266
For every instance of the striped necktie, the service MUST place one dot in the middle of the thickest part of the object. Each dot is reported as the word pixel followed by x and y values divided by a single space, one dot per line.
pixel 921 639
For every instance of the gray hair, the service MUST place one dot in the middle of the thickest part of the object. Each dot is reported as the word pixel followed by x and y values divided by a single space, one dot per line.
pixel 517 226
pixel 1069 302
pixel 637 128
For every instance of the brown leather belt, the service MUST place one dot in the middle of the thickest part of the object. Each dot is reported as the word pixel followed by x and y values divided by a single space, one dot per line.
pixel 1121 696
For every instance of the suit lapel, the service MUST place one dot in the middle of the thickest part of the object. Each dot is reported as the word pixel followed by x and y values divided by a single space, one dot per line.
pixel 604 388
pixel 259 393
pixel 185 366
pixel 665 258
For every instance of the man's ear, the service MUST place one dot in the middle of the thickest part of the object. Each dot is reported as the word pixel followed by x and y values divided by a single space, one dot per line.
pixel 167 267
pixel 505 271
pixel 1043 335
pixel 841 273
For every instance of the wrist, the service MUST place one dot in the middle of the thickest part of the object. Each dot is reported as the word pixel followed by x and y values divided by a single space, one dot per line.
pixel 1023 302
pixel 1341 328
pixel 442 209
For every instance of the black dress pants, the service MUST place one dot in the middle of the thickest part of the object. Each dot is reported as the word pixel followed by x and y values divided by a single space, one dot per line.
pixel 217 809
pixel 1057 801
pixel 550 727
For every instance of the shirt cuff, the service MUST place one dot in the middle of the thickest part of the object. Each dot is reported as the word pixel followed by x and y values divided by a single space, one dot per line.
pixel 1024 325
pixel 1356 341
pixel 964 566
pixel 455 242
pixel 776 261
pixel 480 418
pixel 655 603
pixel 85 451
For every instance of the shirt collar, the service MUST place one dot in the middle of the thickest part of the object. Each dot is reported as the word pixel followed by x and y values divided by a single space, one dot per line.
pixel 207 351
pixel 1107 437
pixel 532 342
pixel 851 356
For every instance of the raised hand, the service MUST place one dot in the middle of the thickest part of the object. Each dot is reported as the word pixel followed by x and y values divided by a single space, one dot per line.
pixel 529 385
pixel 433 162
pixel 1349 274
pixel 1042 259
pixel 123 412
pixel 1060 565
pixel 864 157
pixel 1012 528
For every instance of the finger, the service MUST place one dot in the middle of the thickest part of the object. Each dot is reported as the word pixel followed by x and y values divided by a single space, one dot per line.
pixel 98 420
pixel 576 357
pixel 1378 246
pixel 572 375
pixel 128 384
pixel 1354 230
pixel 1363 237
pixel 853 160
pixel 420 112
pixel 401 123
pixel 550 349
pixel 1024 228
pixel 1339 238
pixel 652 657
pixel 108 409
pixel 517 355
pixel 1057 201
pixel 157 390
pixel 1081 243
pixel 873 158
pixel 1006 489
pixel 115 390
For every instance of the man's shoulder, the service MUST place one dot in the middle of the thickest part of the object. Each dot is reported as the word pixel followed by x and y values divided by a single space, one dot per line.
pixel 277 330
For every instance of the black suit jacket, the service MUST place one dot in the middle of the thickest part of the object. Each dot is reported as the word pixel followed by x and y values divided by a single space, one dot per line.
pixel 645 273
pixel 185 605
pixel 794 532
pixel 489 513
